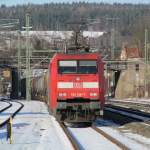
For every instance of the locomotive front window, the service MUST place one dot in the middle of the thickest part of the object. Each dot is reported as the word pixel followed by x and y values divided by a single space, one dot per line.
pixel 67 66
pixel 87 67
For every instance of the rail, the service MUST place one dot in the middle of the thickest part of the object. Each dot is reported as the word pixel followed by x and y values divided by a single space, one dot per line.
pixel 110 138
pixel 131 113
pixel 70 137
pixel 127 102
pixel 13 115
pixel 3 109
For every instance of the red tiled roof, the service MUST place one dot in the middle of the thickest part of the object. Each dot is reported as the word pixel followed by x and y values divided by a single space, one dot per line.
pixel 130 53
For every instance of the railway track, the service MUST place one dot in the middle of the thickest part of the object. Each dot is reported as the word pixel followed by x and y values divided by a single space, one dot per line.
pixel 136 122
pixel 77 143
pixel 11 110
pixel 131 113
pixel 74 143
pixel 144 103
pixel 110 138
pixel 143 117
pixel 134 105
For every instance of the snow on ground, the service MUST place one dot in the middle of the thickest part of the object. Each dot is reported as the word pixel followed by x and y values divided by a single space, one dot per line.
pixel 63 34
pixel 131 140
pixel 6 114
pixel 1 97
pixel 3 105
pixel 35 129
pixel 91 140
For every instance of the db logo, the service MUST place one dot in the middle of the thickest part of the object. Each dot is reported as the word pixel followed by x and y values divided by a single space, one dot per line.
pixel 78 85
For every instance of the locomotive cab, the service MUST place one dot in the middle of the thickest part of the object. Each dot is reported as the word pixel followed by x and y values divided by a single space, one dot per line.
pixel 76 87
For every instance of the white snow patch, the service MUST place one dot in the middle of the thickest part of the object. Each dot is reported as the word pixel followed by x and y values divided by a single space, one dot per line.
pixel 3 105
pixel 91 140
pixel 6 114
pixel 138 138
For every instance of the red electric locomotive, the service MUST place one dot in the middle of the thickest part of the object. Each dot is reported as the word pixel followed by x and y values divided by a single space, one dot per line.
pixel 76 86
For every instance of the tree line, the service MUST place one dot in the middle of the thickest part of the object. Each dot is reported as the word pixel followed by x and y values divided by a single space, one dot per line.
pixel 129 19
pixel 56 16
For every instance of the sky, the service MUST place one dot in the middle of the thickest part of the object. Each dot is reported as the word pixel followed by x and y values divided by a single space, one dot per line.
pixel 15 2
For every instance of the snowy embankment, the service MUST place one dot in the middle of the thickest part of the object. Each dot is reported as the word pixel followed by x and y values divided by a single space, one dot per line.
pixel 35 129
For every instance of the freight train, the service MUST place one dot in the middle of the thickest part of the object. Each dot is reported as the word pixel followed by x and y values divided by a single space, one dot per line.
pixel 73 87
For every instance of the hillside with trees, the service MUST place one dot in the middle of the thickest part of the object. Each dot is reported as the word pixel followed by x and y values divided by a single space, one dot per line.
pixel 128 19
pixel 56 16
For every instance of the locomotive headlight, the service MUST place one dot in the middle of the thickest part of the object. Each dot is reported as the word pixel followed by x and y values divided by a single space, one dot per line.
pixel 93 94
pixel 60 94
pixel 64 94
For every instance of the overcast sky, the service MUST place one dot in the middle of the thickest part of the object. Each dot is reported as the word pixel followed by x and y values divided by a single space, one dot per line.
pixel 14 2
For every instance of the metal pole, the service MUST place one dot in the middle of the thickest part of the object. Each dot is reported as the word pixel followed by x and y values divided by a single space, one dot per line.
pixel 112 38
pixel 112 58
pixel 112 44
pixel 28 55
pixel 145 64
pixel 19 65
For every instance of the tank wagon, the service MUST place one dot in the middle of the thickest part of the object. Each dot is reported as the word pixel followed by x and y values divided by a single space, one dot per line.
pixel 39 87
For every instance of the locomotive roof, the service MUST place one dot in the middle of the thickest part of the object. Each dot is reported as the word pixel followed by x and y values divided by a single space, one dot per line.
pixel 78 56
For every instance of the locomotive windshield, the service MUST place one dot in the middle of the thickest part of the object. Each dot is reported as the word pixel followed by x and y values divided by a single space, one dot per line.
pixel 67 66
pixel 77 66
pixel 87 67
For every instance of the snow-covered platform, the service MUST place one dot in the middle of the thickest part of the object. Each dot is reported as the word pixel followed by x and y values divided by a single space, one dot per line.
pixel 35 129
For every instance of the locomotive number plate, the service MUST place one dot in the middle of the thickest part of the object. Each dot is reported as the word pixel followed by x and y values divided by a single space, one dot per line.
pixel 78 94
pixel 77 85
